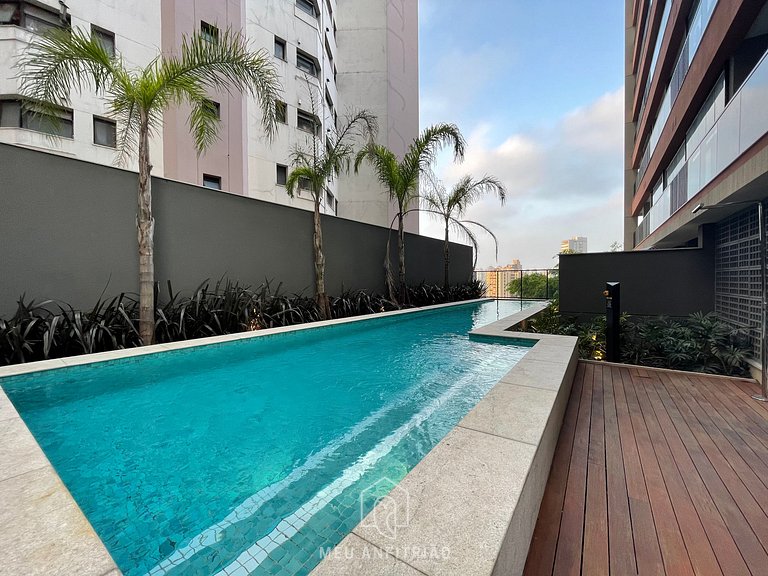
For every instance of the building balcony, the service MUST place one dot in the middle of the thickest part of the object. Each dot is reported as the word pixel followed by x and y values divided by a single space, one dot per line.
pixel 743 121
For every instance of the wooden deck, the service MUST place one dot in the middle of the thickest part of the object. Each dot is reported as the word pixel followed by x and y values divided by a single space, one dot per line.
pixel 656 472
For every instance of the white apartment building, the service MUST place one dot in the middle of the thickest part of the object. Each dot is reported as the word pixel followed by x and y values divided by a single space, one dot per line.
pixel 130 26
pixel 575 245
pixel 331 55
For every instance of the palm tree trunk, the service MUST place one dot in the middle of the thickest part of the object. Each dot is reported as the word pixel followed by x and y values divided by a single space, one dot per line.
pixel 321 297
pixel 145 225
pixel 401 257
pixel 446 257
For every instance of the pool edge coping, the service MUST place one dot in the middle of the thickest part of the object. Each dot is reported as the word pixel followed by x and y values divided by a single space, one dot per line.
pixel 82 545
pixel 501 550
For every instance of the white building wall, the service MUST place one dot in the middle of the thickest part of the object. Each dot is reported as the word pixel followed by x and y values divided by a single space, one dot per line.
pixel 267 19
pixel 378 70
pixel 136 24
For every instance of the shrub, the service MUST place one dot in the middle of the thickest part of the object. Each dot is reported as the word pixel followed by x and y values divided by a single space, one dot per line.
pixel 699 343
pixel 52 329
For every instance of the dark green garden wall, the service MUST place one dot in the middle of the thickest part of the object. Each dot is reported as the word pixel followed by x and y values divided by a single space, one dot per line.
pixel 67 231
pixel 653 282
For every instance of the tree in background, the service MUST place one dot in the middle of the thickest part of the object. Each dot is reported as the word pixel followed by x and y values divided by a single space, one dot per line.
pixel 449 207
pixel 401 179
pixel 316 166
pixel 65 61
pixel 534 285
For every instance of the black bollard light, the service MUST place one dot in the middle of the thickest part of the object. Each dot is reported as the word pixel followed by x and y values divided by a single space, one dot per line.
pixel 612 295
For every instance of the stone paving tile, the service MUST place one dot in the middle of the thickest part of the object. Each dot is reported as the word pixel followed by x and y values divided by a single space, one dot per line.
pixel 43 532
pixel 536 374
pixel 7 410
pixel 356 557
pixel 514 412
pixel 453 509
pixel 19 453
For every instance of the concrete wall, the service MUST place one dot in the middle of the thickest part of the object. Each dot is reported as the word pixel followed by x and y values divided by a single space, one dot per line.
pixel 378 68
pixel 654 282
pixel 67 231
pixel 225 158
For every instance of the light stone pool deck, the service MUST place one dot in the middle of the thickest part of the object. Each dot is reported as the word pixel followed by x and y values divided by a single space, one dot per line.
pixel 475 492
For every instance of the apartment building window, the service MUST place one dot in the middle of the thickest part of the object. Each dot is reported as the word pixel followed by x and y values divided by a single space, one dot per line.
pixel 32 17
pixel 305 184
pixel 105 38
pixel 307 122
pixel 281 112
pixel 209 31
pixel 328 51
pixel 307 6
pixel 282 175
pixel 59 123
pixel 331 201
pixel 329 101
pixel 306 63
pixel 104 132
pixel 10 114
pixel 213 182
pixel 214 107
pixel 280 51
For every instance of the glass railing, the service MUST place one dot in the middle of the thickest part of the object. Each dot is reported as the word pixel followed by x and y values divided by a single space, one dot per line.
pixel 699 23
pixel 742 123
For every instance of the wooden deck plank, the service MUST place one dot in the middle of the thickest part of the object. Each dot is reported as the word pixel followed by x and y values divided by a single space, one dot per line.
pixel 656 472
pixel 700 552
pixel 749 545
pixel 644 535
pixel 569 549
pixel 541 557
pixel 729 441
pixel 673 550
pixel 752 510
pixel 595 556
pixel 723 544
pixel 730 405
pixel 621 548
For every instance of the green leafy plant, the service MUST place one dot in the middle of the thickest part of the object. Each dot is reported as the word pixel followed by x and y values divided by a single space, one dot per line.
pixel 52 329
pixel 324 159
pixel 450 206
pixel 699 343
pixel 401 179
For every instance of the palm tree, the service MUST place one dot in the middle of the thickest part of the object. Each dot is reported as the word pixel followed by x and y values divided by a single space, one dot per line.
pixel 451 206
pixel 401 178
pixel 316 167
pixel 64 61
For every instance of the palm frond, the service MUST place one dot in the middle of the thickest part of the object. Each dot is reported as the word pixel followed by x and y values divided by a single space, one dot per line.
pixel 422 153
pixel 468 191
pixel 224 63
pixel 299 174
pixel 485 229
pixel 62 61
pixel 384 164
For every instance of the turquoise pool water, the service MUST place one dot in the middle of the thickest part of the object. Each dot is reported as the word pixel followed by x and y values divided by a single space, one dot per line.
pixel 252 457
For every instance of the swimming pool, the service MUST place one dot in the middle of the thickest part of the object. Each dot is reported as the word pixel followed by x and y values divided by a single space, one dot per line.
pixel 254 456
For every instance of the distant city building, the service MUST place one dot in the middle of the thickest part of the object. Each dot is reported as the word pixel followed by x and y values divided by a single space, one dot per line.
pixel 576 245
pixel 497 279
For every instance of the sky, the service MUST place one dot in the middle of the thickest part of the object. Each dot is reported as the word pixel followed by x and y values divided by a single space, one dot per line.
pixel 536 87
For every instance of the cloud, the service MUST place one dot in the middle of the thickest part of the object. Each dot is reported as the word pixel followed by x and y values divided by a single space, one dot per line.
pixel 562 180
pixel 460 77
